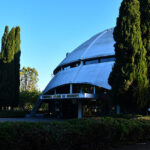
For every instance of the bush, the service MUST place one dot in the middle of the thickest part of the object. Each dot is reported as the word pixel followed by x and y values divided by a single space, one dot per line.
pixel 12 113
pixel 28 99
pixel 73 134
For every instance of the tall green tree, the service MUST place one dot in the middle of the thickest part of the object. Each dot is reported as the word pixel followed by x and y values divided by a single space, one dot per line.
pixel 3 73
pixel 8 89
pixel 10 67
pixel 145 28
pixel 10 46
pixel 128 78
pixel 4 40
pixel 17 64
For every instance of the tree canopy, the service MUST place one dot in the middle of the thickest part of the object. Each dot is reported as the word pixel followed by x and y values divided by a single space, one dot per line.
pixel 145 28
pixel 28 79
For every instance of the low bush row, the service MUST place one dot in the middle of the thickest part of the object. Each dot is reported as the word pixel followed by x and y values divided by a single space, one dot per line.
pixel 12 113
pixel 84 134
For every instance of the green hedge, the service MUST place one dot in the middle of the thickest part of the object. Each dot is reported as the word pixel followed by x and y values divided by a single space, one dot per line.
pixel 12 113
pixel 81 134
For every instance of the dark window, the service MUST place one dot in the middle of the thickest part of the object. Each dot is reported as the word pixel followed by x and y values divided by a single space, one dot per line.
pixel 67 67
pixel 65 89
pixel 99 90
pixel 95 61
pixel 77 64
pixel 71 66
pixel 107 59
pixel 76 88
pixel 51 92
pixel 84 88
pixel 74 65
pixel 87 88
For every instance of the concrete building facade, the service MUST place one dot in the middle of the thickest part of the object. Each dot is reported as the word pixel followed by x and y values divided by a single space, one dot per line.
pixel 82 76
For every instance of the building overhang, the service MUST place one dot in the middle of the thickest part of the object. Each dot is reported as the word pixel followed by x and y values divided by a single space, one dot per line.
pixel 94 74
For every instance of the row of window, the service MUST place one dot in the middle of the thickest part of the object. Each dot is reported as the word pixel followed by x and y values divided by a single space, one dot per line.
pixel 71 66
pixel 100 60
pixel 76 88
pixel 88 62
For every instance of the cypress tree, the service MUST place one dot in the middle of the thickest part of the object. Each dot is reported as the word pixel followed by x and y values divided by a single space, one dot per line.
pixel 128 78
pixel 17 64
pixel 3 70
pixel 10 67
pixel 4 40
pixel 145 28
pixel 10 46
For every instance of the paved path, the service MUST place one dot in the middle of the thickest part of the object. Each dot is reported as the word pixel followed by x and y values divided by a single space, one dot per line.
pixel 28 119
pixel 139 146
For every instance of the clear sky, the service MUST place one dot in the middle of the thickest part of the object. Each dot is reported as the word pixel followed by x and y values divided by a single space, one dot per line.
pixel 51 28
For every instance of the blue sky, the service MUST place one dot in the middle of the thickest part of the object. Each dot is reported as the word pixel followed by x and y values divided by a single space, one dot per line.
pixel 51 28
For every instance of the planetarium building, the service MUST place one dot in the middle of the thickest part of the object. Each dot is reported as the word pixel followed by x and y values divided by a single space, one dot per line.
pixel 81 77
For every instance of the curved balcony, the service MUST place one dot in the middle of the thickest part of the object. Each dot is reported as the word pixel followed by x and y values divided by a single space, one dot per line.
pixel 69 96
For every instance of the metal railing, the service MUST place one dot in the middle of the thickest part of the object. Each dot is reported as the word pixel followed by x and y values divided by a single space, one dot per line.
pixel 69 96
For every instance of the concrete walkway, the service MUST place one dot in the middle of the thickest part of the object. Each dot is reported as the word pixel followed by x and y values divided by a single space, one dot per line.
pixel 138 146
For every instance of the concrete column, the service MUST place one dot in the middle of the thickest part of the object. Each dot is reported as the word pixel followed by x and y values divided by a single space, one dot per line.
pixel 94 92
pixel 70 88
pixel 118 109
pixel 81 90
pixel 54 91
pixel 79 110
pixel 81 64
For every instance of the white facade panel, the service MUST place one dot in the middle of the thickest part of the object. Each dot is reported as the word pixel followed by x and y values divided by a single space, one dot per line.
pixel 78 52
pixel 61 78
pixel 101 44
pixel 95 74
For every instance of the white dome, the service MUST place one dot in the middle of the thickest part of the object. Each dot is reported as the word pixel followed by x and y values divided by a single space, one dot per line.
pixel 98 47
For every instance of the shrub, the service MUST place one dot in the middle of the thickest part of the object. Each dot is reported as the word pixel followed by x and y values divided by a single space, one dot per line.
pixel 12 113
pixel 75 134
pixel 28 99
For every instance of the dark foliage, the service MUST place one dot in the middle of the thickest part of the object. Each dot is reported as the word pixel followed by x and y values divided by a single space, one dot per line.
pixel 129 75
pixel 97 134
pixel 145 28
pixel 10 67
pixel 28 99
pixel 12 113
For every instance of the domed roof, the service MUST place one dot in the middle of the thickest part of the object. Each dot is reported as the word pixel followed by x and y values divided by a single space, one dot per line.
pixel 97 74
pixel 97 46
